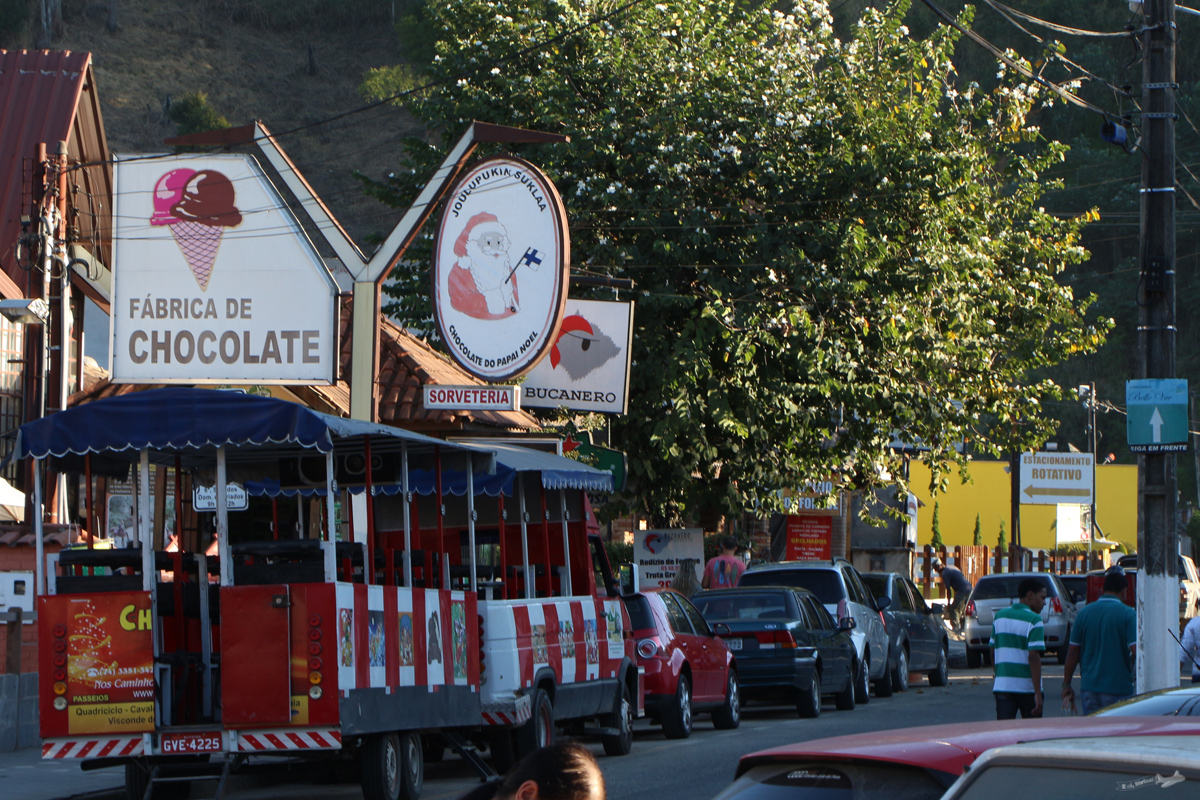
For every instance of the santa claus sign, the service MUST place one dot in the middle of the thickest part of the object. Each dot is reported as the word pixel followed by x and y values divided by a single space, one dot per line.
pixel 500 268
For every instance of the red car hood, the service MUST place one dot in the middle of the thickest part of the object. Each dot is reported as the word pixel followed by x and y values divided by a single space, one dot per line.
pixel 950 748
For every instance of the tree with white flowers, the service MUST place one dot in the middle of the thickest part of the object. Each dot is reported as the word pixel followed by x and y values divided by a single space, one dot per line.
pixel 833 241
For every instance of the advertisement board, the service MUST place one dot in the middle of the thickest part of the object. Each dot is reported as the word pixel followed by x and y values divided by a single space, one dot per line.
pixel 110 664
pixel 213 279
pixel 1070 525
pixel 658 554
pixel 809 538
pixel 500 268
pixel 588 365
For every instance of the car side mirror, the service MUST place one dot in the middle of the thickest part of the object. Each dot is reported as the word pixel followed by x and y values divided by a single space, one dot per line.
pixel 847 623
pixel 882 603
pixel 937 608
pixel 720 629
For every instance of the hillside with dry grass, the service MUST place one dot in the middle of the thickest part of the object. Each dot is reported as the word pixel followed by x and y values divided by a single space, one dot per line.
pixel 168 48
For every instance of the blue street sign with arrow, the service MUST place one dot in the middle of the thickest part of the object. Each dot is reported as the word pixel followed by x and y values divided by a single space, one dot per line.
pixel 1157 416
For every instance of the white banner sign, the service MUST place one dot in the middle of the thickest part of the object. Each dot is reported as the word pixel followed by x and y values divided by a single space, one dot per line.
pixel 588 366
pixel 1053 478
pixel 1069 527
pixel 658 554
pixel 213 279
pixel 204 498
pixel 473 398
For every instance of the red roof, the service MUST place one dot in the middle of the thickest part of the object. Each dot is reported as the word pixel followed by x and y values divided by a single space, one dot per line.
pixel 45 98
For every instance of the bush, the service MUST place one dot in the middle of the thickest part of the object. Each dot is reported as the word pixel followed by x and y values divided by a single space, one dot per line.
pixel 13 16
pixel 619 554
pixel 192 114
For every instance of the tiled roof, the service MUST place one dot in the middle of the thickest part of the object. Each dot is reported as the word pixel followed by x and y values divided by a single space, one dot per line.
pixel 47 97
pixel 22 535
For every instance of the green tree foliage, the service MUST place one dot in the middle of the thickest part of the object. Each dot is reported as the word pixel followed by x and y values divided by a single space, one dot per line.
pixel 832 239
pixel 937 541
pixel 977 539
pixel 1002 539
pixel 193 114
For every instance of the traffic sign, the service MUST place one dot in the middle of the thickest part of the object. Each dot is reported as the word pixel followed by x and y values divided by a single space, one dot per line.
pixel 1052 478
pixel 1157 416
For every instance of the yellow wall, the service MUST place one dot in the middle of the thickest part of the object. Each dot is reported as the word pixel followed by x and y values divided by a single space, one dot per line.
pixel 988 495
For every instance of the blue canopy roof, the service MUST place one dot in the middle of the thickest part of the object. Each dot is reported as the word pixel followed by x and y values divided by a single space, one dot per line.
pixel 180 418
pixel 187 419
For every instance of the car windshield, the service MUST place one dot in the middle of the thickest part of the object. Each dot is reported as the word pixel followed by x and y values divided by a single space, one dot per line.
pixel 824 583
pixel 1184 703
pixel 816 781
pixel 743 605
pixel 1005 587
pixel 639 612
pixel 876 583
pixel 1069 782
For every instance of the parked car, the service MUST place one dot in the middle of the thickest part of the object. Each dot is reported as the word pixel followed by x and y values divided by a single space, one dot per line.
pixel 999 590
pixel 917 639
pixel 1179 701
pixel 688 668
pixel 1095 768
pixel 841 590
pixel 785 642
pixel 910 763
pixel 1189 582
pixel 1076 589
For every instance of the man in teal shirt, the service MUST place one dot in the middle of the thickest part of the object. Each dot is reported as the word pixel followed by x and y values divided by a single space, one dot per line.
pixel 1103 640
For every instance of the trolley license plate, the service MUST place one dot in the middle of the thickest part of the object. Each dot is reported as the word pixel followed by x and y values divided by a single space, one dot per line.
pixel 205 742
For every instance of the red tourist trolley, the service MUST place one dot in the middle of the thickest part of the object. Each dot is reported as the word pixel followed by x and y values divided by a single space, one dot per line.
pixel 182 665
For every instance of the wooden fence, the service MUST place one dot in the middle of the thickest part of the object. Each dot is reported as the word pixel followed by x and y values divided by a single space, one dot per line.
pixel 977 561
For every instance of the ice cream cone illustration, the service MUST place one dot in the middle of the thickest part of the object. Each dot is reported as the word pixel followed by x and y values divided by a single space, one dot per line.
pixel 198 207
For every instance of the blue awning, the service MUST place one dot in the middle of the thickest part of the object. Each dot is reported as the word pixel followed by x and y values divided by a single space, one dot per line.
pixel 189 419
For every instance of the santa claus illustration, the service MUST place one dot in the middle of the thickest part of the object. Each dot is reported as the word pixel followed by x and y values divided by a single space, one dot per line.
pixel 483 283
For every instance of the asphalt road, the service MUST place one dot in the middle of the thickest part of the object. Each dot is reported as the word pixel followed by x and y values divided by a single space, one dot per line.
pixel 692 769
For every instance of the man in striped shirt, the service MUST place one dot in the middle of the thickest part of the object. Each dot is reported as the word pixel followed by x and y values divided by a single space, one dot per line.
pixel 1019 641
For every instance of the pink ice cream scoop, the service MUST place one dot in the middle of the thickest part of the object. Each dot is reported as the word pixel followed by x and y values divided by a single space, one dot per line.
pixel 198 206
pixel 167 193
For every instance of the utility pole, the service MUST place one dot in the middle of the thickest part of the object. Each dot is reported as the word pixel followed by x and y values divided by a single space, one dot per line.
pixel 1088 393
pixel 1157 584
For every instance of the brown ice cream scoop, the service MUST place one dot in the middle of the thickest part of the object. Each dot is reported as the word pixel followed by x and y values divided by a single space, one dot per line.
pixel 208 199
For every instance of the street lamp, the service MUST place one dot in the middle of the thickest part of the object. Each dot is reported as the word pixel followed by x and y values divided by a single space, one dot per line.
pixel 25 311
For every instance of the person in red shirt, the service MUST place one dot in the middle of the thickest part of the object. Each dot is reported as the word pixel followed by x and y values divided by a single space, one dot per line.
pixel 724 571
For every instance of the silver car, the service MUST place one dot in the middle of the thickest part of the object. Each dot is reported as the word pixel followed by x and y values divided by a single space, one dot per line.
pixel 841 590
pixel 1101 768
pixel 995 592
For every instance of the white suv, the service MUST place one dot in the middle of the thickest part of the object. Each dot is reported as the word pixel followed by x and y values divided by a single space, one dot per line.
pixel 841 590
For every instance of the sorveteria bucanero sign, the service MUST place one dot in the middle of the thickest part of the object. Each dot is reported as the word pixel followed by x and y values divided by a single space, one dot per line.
pixel 500 268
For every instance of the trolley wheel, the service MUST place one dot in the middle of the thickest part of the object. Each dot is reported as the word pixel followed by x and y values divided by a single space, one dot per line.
pixel 393 767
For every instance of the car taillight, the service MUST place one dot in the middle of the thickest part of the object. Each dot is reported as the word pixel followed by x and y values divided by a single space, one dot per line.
pixel 971 609
pixel 647 648
pixel 843 610
pixel 775 639
pixel 1056 604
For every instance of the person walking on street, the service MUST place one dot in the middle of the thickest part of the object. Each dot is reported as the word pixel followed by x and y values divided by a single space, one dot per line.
pixel 1019 640
pixel 1103 643
pixel 724 571
pixel 956 583
pixel 1189 651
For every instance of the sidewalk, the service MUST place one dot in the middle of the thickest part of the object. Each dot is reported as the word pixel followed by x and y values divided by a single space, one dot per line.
pixel 25 775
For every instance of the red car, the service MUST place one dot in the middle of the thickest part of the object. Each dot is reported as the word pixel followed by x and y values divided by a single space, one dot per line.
pixel 912 763
pixel 688 668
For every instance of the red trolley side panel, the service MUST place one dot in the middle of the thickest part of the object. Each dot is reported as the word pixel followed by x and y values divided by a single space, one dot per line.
pixel 255 655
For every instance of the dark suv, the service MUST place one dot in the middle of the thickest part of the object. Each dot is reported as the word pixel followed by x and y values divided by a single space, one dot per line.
pixel 841 590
